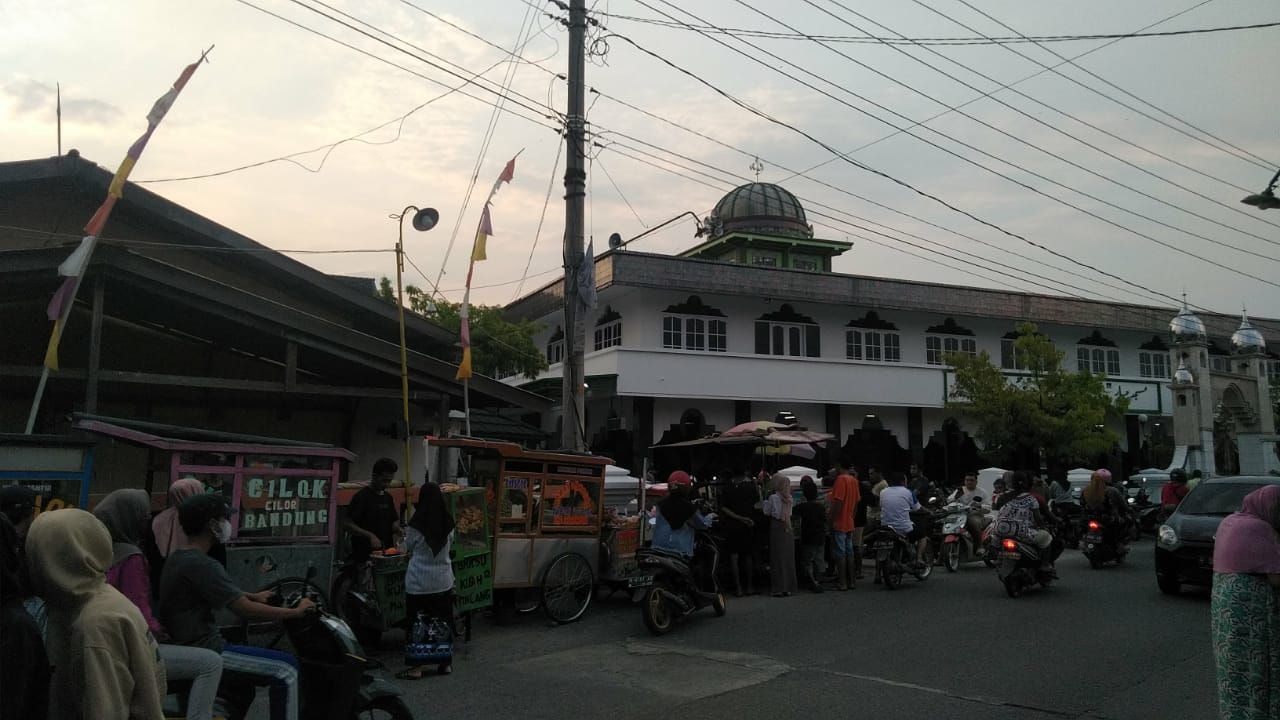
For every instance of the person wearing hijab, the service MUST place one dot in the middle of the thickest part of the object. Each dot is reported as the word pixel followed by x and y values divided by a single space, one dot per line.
pixel 165 527
pixel 106 663
pixel 782 544
pixel 677 519
pixel 1246 608
pixel 428 581
pixel 125 513
pixel 24 683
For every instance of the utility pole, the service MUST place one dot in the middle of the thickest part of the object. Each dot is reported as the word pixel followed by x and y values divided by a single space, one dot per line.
pixel 575 190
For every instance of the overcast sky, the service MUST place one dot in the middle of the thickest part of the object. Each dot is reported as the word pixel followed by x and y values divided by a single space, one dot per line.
pixel 272 89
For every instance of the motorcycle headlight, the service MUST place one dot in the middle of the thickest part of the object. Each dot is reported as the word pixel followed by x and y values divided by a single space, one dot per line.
pixel 1167 536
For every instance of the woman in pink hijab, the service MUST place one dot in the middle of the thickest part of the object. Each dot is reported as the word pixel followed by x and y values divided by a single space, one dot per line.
pixel 1246 608
pixel 168 532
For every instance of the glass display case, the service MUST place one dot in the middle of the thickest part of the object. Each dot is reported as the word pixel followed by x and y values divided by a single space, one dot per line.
pixel 470 552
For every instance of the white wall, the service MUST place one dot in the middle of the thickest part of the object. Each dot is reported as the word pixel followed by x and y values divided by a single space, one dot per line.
pixel 368 445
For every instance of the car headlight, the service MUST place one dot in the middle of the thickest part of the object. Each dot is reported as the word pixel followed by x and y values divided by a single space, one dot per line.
pixel 1167 536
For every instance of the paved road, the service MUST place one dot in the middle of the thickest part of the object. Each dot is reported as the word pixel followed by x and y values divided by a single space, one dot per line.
pixel 1100 645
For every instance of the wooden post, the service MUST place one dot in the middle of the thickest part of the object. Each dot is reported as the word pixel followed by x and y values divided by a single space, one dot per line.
pixel 95 347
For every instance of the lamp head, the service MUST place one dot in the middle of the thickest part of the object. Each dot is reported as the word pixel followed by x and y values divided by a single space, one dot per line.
pixel 425 219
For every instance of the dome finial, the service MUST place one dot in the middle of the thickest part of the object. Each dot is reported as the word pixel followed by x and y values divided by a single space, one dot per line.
pixel 757 166
pixel 1186 326
pixel 1247 339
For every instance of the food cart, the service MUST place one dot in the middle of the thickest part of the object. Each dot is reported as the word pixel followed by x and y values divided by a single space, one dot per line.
pixel 56 468
pixel 283 492
pixel 544 512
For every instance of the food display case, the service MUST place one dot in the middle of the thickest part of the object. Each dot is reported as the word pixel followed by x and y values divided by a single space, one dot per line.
pixel 470 553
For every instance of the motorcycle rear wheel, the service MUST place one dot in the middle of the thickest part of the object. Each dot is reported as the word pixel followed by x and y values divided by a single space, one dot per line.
pixel 657 614
pixel 1094 561
pixel 392 708
pixel 1013 587
pixel 951 556
pixel 720 605
pixel 893 569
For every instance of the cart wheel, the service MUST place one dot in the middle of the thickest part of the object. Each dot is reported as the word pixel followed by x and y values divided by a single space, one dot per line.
pixel 567 587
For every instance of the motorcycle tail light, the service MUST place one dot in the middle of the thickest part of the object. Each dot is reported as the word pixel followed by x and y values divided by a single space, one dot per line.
pixel 1010 544
pixel 1094 525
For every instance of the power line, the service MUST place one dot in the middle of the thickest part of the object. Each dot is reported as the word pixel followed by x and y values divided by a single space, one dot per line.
pixel 624 103
pixel 621 194
pixel 756 111
pixel 1233 208
pixel 484 146
pixel 809 202
pixel 329 147
pixel 970 146
pixel 843 230
pixel 979 40
pixel 428 78
pixel 1240 153
pixel 503 94
pixel 1043 69
pixel 537 234
pixel 977 259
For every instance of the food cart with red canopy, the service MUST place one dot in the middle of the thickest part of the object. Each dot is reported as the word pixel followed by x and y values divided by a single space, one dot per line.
pixel 283 492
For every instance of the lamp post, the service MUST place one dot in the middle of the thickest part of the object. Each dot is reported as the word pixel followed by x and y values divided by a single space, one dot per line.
pixel 423 220
pixel 1265 200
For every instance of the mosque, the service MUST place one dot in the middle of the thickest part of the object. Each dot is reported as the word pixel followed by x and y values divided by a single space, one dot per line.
pixel 753 323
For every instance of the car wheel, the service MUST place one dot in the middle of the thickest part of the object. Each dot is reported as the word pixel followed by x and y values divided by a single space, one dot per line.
pixel 1169 584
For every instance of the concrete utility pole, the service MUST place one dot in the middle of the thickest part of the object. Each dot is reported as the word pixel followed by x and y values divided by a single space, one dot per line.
pixel 575 190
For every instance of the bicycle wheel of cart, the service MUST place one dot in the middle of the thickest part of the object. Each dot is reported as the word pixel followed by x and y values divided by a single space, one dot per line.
pixel 567 588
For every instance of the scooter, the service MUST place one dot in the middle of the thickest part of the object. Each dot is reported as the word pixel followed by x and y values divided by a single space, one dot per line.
pixel 356 604
pixel 958 546
pixel 1020 565
pixel 674 586
pixel 1099 543
pixel 896 556
pixel 336 679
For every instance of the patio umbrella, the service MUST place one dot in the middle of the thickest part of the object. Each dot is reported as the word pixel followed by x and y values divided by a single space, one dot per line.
pixel 755 427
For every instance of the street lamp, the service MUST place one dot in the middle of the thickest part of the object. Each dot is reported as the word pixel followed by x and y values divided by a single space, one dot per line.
pixel 423 220
pixel 1265 200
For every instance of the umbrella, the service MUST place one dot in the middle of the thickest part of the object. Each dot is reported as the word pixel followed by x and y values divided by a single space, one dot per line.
pixel 755 427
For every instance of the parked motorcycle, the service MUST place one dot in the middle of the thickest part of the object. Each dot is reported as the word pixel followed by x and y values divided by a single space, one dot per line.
pixel 336 679
pixel 675 586
pixel 958 546
pixel 356 604
pixel 1021 567
pixel 1100 543
pixel 896 556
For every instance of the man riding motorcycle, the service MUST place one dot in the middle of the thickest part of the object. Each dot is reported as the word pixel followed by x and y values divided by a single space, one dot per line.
pixel 977 521
pixel 1024 516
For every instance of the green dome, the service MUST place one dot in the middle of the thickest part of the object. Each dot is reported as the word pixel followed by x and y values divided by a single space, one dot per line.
pixel 759 208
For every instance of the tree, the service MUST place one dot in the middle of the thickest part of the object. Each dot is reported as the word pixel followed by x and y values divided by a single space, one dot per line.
pixel 1048 410
pixel 499 347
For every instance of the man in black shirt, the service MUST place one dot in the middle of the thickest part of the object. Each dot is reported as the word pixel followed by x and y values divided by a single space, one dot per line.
pixel 372 516
pixel 737 509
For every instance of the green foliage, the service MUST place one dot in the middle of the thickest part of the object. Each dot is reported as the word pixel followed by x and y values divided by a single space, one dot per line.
pixel 498 346
pixel 1048 409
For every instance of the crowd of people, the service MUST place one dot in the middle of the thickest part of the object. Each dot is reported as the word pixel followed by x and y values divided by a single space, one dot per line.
pixel 104 613
pixel 818 541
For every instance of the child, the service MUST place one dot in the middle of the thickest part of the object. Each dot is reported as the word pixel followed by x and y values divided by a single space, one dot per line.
pixel 813 533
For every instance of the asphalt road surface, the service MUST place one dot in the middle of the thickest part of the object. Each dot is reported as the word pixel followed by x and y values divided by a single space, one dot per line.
pixel 1100 644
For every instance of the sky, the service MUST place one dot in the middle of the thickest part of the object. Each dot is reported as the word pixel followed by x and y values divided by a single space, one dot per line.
pixel 1087 205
